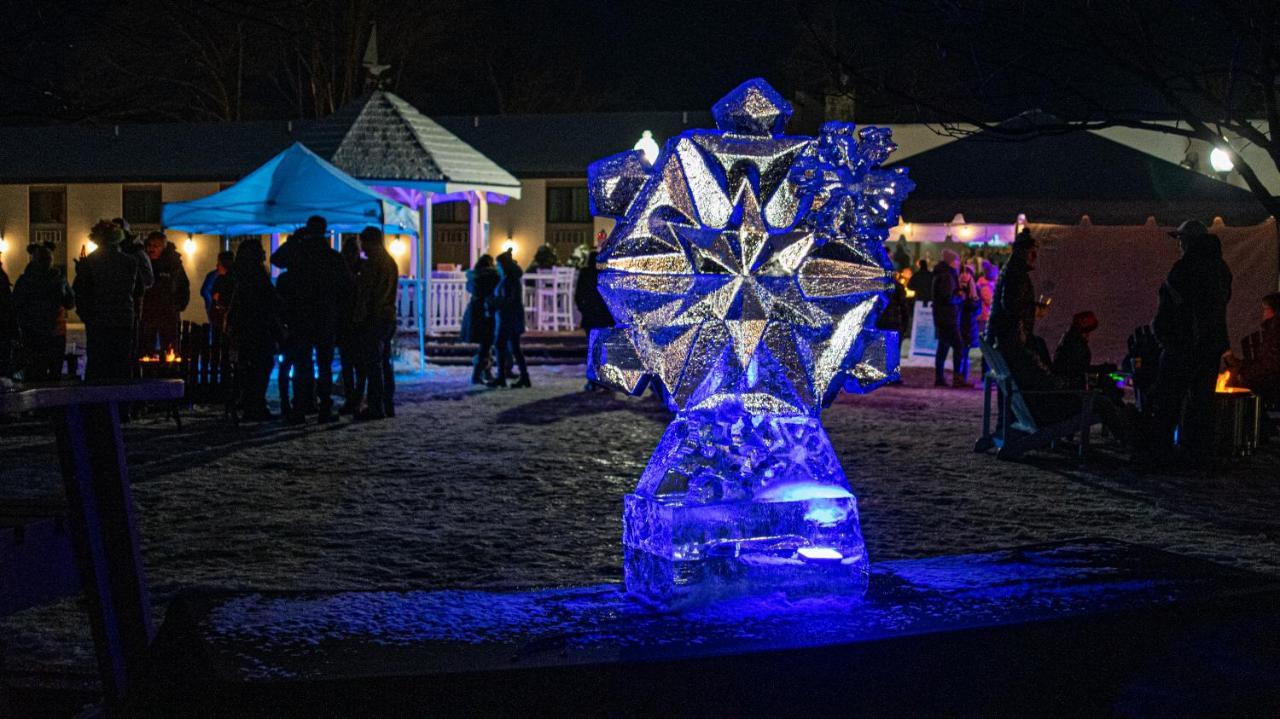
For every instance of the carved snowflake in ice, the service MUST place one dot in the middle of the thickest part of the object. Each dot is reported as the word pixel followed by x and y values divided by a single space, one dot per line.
pixel 747 266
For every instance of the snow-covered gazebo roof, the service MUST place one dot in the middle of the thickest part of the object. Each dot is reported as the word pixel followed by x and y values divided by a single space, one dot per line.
pixel 383 140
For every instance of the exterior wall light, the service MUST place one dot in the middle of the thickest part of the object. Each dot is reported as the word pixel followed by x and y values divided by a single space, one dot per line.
pixel 1220 160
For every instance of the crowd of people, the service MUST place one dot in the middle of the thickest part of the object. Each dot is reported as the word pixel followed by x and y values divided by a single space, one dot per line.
pixel 495 316
pixel 324 303
pixel 131 295
pixel 1189 329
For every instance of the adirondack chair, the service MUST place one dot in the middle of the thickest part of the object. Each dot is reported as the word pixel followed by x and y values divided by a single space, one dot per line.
pixel 1016 430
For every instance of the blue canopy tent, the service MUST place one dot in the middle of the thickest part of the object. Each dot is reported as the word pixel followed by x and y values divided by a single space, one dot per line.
pixel 283 193
pixel 279 197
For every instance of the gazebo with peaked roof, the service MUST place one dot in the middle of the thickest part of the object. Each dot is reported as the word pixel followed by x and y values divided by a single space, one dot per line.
pixel 388 144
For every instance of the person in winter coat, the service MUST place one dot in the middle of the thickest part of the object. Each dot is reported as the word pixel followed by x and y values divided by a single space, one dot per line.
pixel 1261 372
pixel 374 318
pixel 1011 332
pixel 104 290
pixel 254 323
pixel 8 325
pixel 323 285
pixel 947 299
pixel 478 321
pixel 970 309
pixel 41 299
pixel 901 255
pixel 507 304
pixel 165 299
pixel 986 285
pixel 1191 327
pixel 285 382
pixel 591 306
pixel 545 258
pixel 1013 307
pixel 216 290
pixel 922 282
pixel 349 347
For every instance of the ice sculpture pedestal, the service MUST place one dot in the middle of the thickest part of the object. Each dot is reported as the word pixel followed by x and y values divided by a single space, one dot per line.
pixel 736 503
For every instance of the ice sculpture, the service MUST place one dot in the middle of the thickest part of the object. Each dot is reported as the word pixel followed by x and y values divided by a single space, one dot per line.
pixel 745 274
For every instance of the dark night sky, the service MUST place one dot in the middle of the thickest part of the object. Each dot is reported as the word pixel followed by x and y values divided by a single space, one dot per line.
pixel 651 55
pixel 484 56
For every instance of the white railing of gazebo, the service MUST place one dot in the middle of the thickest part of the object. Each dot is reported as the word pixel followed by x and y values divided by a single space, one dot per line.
pixel 448 301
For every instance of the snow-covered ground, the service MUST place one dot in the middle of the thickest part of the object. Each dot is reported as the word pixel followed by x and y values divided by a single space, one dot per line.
pixel 522 488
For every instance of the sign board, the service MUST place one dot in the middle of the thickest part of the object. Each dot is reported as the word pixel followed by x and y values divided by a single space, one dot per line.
pixel 924 341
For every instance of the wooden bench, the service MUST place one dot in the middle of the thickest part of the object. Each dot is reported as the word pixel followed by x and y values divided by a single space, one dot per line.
pixel 100 514
pixel 1016 430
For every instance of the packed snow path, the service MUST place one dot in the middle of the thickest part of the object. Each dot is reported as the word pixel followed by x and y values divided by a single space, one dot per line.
pixel 469 487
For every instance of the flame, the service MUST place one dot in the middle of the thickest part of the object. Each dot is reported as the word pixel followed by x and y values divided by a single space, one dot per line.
pixel 1224 380
pixel 170 356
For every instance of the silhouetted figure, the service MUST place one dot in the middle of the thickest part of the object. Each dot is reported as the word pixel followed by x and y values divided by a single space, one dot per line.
pixel 374 318
pixel 41 299
pixel 507 304
pixel 921 282
pixel 1073 359
pixel 545 258
pixel 254 322
pixel 104 289
pixel 970 310
pixel 8 325
pixel 1191 327
pixel 901 255
pixel 1260 372
pixel 166 298
pixel 322 284
pixel 1013 308
pixel 349 348
pixel 478 321
pixel 284 372
pixel 216 290
pixel 946 320
pixel 591 305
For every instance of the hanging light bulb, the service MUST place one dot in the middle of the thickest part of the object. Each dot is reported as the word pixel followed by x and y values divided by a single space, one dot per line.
pixel 91 247
pixel 397 247
pixel 189 245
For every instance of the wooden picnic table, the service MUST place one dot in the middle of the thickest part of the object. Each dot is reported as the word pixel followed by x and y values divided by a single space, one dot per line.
pixel 100 515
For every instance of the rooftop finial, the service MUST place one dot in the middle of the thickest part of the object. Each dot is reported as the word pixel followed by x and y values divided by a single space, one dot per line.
pixel 371 64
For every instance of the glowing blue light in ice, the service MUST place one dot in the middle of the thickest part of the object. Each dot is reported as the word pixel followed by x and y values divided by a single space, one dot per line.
pixel 818 554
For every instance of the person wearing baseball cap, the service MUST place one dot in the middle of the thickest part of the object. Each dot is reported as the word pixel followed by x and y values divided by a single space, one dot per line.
pixel 1191 327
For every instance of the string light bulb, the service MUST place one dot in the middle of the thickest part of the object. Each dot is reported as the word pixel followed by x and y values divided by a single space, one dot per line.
pixel 397 247
pixel 189 245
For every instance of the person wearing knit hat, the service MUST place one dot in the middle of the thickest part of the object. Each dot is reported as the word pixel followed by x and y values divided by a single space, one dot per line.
pixel 104 289
pixel 1073 359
